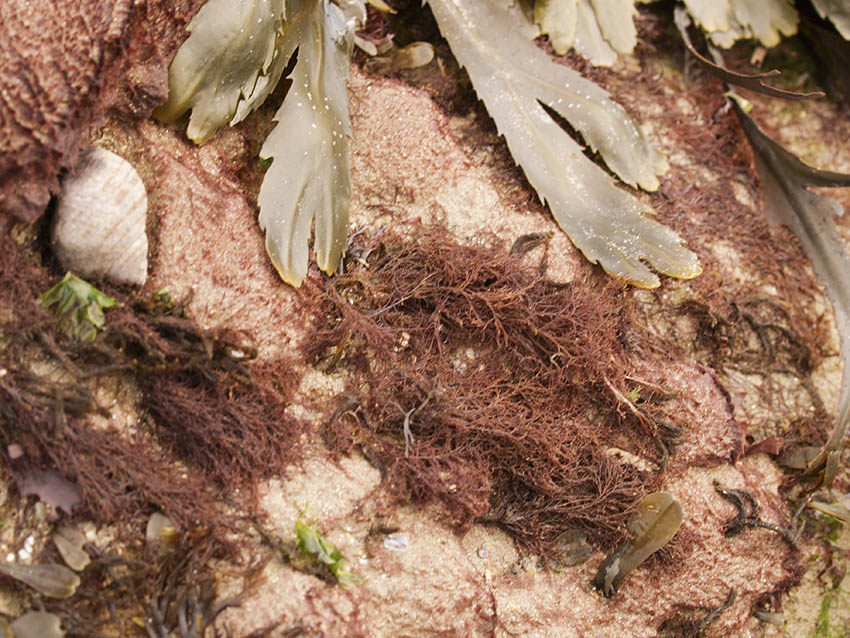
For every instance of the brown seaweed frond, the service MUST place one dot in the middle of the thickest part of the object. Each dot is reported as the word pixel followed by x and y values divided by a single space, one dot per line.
pixel 172 591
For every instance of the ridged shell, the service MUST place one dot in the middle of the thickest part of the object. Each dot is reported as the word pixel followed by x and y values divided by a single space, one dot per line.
pixel 99 228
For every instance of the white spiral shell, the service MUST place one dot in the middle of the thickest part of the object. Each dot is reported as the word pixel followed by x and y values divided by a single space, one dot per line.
pixel 99 227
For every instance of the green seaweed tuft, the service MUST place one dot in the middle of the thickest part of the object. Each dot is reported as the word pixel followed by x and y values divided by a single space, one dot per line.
pixel 314 547
pixel 80 306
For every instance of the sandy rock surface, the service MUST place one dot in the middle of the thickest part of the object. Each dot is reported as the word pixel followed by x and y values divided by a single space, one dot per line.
pixel 419 158
pixel 207 241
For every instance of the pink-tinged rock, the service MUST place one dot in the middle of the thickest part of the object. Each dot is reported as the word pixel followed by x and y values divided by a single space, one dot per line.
pixel 49 486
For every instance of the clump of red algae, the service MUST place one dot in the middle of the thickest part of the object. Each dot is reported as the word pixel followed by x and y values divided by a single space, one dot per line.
pixel 211 424
pixel 475 382
pixel 209 416
pixel 757 311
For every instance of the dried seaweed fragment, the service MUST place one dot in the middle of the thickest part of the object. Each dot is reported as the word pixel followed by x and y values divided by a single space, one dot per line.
pixel 753 82
pixel 34 624
pixel 714 614
pixel 569 549
pixel 788 200
pixel 70 543
pixel 160 532
pixel 515 80
pixel 49 486
pixel 689 623
pixel 54 581
pixel 836 510
pixel 747 514
pixel 657 520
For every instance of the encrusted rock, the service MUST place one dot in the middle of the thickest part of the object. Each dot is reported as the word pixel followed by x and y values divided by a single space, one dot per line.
pixel 99 230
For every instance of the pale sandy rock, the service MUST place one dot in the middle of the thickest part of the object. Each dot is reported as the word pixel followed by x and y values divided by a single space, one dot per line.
pixel 415 166
pixel 712 435
pixel 208 246
pixel 320 490
pixel 429 587
pixel 414 163
pixel 443 584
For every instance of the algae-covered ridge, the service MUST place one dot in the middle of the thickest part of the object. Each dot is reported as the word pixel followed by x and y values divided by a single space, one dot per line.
pixel 238 51
pixel 309 179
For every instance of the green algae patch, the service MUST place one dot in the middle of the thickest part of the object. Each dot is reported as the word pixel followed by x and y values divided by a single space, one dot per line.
pixel 79 305
pixel 316 548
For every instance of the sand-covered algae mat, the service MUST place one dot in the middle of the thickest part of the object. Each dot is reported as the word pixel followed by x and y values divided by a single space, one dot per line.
pixel 450 435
